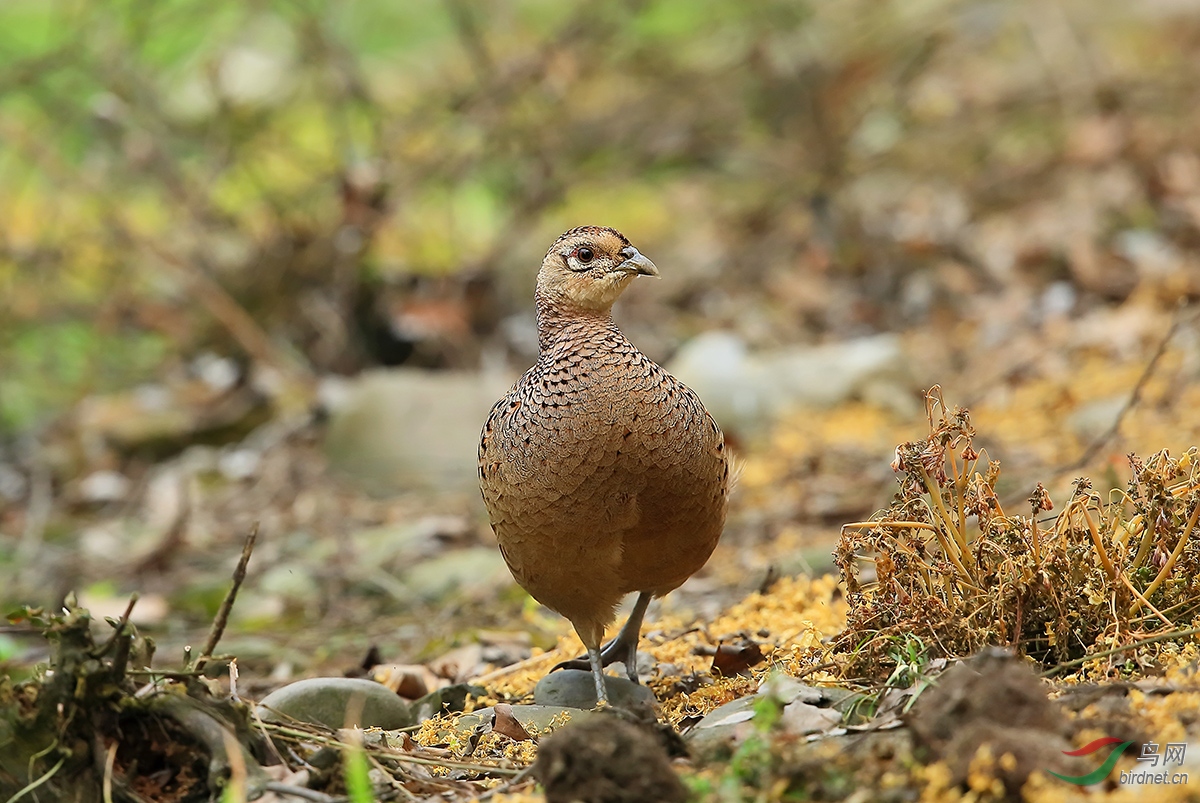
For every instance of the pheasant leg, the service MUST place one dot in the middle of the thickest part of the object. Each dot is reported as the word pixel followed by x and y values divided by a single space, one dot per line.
pixel 622 648
pixel 598 675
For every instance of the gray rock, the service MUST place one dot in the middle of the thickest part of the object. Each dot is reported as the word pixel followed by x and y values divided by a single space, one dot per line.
pixel 326 701
pixel 479 572
pixel 732 713
pixel 1150 252
pixel 803 718
pixel 718 735
pixel 747 391
pixel 786 689
pixel 406 428
pixel 805 709
pixel 396 547
pixel 12 482
pixel 575 688
pixel 104 486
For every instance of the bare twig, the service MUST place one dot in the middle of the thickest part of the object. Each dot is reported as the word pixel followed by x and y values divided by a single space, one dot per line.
pixel 121 623
pixel 1141 600
pixel 225 309
pixel 472 39
pixel 298 791
pixel 1165 571
pixel 296 733
pixel 812 670
pixel 164 674
pixel 1054 670
pixel 222 619
pixel 35 784
pixel 1134 397
pixel 110 758
pixel 508 785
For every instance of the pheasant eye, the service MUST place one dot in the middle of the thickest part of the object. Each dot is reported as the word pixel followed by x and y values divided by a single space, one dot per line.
pixel 584 254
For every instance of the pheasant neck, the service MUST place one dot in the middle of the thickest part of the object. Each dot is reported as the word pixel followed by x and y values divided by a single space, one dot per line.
pixel 558 318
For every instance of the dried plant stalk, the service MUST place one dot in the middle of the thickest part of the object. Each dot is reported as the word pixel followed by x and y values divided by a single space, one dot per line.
pixel 953 569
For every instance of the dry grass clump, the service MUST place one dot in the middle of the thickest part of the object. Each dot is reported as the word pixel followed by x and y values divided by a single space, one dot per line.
pixel 956 571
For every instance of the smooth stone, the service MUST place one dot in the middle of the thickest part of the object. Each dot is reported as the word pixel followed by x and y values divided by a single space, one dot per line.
pixel 575 688
pixel 784 689
pixel 325 701
pixel 478 573
pixel 717 735
pixel 803 718
pixel 812 709
pixel 407 428
pixel 747 391
pixel 731 713
pixel 394 547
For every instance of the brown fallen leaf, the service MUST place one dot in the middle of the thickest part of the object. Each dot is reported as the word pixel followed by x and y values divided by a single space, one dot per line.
pixel 732 659
pixel 507 724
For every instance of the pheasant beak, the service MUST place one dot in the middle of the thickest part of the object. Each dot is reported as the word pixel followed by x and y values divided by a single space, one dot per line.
pixel 636 263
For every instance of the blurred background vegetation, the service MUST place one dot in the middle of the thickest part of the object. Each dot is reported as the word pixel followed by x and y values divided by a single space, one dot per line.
pixel 226 203
pixel 247 178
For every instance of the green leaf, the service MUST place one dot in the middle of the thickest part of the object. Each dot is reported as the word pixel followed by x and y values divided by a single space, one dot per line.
pixel 358 782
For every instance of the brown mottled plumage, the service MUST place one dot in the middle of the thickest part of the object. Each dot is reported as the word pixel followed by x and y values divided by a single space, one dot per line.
pixel 602 473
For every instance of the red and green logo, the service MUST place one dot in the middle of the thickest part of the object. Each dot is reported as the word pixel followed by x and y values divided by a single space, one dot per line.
pixel 1101 772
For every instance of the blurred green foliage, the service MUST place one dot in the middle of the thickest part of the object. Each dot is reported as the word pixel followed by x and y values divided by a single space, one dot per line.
pixel 294 154
pixel 47 365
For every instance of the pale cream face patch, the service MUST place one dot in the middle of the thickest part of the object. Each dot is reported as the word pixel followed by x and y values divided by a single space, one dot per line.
pixel 595 292
pixel 592 285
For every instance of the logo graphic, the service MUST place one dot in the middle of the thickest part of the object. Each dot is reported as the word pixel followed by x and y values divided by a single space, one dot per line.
pixel 1173 754
pixel 1101 772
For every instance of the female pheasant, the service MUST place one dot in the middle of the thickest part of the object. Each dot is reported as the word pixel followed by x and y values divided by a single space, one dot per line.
pixel 602 473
